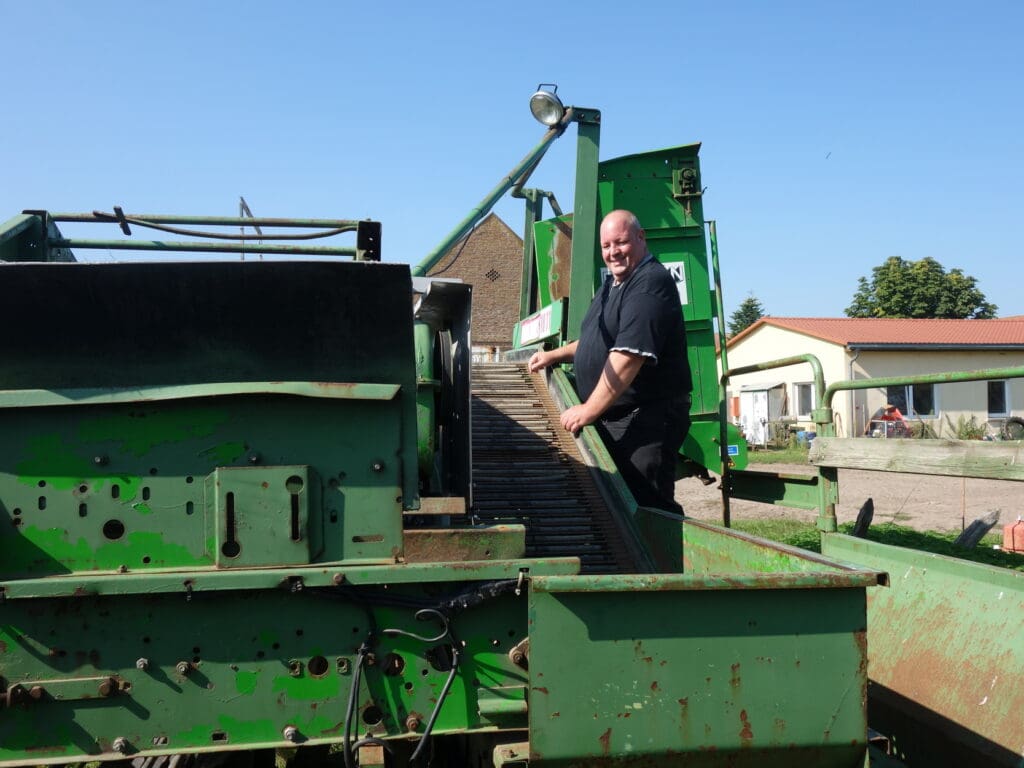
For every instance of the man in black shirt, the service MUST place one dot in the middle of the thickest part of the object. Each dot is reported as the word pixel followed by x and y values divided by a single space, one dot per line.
pixel 632 373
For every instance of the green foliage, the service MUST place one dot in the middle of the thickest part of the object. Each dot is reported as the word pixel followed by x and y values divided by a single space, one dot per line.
pixel 922 430
pixel 919 289
pixel 966 429
pixel 748 313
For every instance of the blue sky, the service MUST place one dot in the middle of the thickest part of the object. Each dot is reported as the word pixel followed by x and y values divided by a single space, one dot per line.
pixel 834 135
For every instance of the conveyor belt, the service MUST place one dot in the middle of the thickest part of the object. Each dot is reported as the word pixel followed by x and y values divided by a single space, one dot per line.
pixel 527 469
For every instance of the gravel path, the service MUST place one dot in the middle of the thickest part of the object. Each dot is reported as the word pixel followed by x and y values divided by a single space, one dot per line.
pixel 922 502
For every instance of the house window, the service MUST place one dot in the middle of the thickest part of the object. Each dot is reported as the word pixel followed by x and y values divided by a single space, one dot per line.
pixel 997 400
pixel 916 400
pixel 803 398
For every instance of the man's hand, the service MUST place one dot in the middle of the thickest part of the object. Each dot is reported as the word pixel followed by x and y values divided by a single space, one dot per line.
pixel 576 418
pixel 549 357
pixel 538 360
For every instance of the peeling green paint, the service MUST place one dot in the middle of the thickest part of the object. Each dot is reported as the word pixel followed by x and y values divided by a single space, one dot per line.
pixel 224 453
pixel 50 550
pixel 308 688
pixel 48 458
pixel 139 432
pixel 246 682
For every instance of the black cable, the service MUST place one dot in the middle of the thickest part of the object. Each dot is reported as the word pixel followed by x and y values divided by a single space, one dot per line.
pixel 350 709
pixel 218 235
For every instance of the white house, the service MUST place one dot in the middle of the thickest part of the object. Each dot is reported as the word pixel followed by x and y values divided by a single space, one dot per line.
pixel 853 348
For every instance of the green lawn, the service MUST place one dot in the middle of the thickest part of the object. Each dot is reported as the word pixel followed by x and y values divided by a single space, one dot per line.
pixel 794 455
pixel 805 535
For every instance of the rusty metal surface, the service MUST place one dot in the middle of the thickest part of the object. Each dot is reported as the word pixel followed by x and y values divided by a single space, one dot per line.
pixel 437 545
pixel 528 470
pixel 561 261
pixel 947 651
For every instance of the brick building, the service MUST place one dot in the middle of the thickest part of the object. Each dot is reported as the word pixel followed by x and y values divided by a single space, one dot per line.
pixel 490 258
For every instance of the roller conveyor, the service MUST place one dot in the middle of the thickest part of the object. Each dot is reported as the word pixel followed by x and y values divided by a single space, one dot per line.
pixel 528 470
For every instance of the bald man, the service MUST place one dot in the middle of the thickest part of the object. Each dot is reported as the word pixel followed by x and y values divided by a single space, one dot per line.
pixel 632 373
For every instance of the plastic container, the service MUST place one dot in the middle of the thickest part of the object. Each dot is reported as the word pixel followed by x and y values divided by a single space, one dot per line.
pixel 1013 537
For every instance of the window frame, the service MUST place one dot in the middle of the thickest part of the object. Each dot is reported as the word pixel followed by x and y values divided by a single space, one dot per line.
pixel 796 399
pixel 1006 399
pixel 910 412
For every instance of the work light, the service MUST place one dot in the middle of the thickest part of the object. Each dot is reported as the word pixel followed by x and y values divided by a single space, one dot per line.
pixel 546 106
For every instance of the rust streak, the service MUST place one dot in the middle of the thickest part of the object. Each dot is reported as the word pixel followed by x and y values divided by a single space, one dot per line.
pixel 746 732
pixel 605 740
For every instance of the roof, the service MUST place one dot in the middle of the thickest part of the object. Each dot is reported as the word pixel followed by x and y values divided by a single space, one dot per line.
pixel 899 332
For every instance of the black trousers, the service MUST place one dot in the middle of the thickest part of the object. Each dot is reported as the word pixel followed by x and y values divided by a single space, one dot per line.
pixel 644 443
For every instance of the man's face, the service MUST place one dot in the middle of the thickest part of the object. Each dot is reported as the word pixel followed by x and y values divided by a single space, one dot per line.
pixel 622 247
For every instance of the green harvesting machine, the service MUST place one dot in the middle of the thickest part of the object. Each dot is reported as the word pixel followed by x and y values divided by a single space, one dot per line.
pixel 270 512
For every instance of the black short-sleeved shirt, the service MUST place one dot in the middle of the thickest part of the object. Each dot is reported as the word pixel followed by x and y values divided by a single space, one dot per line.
pixel 641 315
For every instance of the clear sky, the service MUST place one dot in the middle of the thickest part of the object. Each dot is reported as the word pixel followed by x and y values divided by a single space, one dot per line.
pixel 834 134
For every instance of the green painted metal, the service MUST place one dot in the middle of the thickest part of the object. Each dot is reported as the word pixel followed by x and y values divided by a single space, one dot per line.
pixel 198 246
pixel 586 219
pixel 190 581
pixel 546 325
pixel 34 398
pixel 947 654
pixel 704 445
pixel 24 238
pixel 799 491
pixel 241 669
pixel 714 673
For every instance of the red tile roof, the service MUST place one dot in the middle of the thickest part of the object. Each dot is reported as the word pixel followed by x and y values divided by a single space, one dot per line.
pixel 854 332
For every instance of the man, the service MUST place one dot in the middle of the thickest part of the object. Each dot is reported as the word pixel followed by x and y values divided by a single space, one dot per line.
pixel 632 373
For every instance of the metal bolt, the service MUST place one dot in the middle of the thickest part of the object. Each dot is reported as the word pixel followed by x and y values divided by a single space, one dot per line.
pixel 36 692
pixel 253 458
pixel 412 722
pixel 183 667
pixel 120 744
pixel 100 461
pixel 378 466
pixel 291 733
pixel 142 664
pixel 339 578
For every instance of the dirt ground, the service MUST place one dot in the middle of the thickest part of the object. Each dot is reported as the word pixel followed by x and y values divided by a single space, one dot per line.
pixel 922 502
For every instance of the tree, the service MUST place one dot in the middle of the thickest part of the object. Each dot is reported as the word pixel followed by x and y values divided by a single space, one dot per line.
pixel 748 313
pixel 921 288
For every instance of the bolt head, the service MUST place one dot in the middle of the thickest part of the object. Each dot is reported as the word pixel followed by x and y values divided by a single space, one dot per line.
pixel 291 733
pixel 183 667
pixel 142 664
pixel 412 722
pixel 120 744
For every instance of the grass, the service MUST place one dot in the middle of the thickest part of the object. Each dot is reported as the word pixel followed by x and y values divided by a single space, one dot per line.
pixel 794 455
pixel 805 536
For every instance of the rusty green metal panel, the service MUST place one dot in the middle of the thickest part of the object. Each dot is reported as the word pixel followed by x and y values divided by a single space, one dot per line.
pixel 229 671
pixel 702 677
pixel 104 487
pixel 947 654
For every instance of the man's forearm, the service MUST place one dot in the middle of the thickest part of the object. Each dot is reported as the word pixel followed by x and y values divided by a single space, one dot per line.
pixel 619 371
